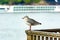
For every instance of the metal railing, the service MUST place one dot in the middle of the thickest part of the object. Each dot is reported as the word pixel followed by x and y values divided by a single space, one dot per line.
pixel 42 35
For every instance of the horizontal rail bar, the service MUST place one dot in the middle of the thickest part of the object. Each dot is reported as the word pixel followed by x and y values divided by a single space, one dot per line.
pixel 42 33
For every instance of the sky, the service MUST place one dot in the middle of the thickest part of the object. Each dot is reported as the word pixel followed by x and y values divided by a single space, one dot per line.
pixel 12 26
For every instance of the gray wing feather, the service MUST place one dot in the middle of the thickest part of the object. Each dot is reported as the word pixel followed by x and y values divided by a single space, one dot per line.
pixel 33 22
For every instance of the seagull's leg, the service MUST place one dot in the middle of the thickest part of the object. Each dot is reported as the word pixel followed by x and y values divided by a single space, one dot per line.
pixel 30 27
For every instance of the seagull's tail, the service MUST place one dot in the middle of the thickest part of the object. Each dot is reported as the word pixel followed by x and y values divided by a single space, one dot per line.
pixel 40 23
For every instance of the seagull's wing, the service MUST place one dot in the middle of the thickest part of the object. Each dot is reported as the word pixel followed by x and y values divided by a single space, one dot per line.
pixel 33 22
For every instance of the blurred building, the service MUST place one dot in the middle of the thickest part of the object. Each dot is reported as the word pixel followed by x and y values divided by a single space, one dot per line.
pixel 19 3
pixel 42 2
pixel 58 2
pixel 51 2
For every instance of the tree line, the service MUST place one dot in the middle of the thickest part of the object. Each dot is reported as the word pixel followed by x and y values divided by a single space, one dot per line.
pixel 12 2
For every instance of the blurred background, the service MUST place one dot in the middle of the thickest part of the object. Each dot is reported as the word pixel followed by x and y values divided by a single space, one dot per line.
pixel 12 26
pixel 29 2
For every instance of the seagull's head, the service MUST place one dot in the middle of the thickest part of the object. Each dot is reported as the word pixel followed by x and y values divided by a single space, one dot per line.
pixel 25 17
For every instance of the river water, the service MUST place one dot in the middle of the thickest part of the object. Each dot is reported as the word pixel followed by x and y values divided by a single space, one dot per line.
pixel 12 26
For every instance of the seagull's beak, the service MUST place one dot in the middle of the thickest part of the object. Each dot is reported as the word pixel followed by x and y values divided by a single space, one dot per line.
pixel 22 18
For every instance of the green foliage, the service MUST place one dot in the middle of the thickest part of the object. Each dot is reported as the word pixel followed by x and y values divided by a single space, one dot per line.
pixel 17 1
pixel 36 1
pixel 6 0
pixel 27 1
pixel 31 1
pixel 0 2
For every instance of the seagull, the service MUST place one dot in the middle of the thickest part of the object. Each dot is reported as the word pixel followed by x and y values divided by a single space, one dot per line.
pixel 30 22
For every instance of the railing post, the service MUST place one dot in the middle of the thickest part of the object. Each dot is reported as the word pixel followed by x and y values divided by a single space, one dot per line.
pixel 28 37
pixel 48 38
pixel 44 37
pixel 36 37
pixel 40 37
